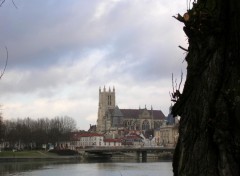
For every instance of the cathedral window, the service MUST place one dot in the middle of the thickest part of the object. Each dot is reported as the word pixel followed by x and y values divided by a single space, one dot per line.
pixel 145 125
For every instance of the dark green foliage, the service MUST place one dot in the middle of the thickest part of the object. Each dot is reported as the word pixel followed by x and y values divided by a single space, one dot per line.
pixel 64 152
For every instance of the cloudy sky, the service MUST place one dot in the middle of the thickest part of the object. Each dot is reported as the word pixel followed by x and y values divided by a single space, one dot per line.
pixel 61 52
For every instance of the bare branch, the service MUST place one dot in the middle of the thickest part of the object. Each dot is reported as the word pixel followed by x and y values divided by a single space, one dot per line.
pixel 183 48
pixel 180 81
pixel 189 5
pixel 175 95
pixel 172 83
pixel 14 4
pixel 1 75
pixel 176 84
pixel 1 3
pixel 179 18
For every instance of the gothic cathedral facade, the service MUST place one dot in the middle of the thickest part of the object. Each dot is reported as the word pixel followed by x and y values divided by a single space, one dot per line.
pixel 111 118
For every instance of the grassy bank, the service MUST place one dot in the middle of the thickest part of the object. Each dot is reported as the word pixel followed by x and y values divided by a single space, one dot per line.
pixel 32 153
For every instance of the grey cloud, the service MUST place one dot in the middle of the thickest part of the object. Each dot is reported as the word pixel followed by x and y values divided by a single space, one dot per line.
pixel 34 33
pixel 69 48
pixel 53 34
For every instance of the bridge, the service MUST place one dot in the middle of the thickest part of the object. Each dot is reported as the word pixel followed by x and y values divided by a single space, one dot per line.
pixel 141 152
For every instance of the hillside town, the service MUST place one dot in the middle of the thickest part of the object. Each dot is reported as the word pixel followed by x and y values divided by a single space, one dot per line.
pixel 125 127
pixel 115 127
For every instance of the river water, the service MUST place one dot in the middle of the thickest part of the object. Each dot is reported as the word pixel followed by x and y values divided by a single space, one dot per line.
pixel 74 168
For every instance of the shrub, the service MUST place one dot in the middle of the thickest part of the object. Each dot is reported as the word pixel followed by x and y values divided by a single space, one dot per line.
pixel 64 152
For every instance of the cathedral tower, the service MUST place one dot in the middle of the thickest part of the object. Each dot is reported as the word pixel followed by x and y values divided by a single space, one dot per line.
pixel 106 101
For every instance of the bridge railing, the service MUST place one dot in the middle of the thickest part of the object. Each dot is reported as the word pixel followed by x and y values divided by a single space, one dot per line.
pixel 126 148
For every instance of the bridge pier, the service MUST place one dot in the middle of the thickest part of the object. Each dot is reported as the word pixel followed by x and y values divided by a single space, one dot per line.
pixel 144 156
pixel 138 155
pixel 141 155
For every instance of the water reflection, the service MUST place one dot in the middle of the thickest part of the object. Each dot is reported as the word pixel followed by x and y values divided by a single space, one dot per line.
pixel 18 167
pixel 87 168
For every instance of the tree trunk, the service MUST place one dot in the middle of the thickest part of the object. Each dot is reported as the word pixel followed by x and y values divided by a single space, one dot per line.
pixel 209 106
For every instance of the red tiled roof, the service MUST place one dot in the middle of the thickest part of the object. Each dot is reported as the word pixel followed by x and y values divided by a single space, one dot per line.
pixel 77 135
pixel 132 137
pixel 112 140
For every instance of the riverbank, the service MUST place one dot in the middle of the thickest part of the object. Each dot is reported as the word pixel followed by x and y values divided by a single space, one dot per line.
pixel 40 155
pixel 35 155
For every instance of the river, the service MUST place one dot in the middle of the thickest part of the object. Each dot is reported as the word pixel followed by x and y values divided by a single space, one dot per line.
pixel 93 168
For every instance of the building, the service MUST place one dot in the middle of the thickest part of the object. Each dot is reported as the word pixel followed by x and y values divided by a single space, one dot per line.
pixel 157 136
pixel 84 140
pixel 88 140
pixel 112 118
pixel 92 128
pixel 112 142
pixel 133 139
pixel 106 101
pixel 167 135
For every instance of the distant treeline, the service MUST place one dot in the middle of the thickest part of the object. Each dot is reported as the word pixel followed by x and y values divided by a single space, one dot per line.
pixel 29 133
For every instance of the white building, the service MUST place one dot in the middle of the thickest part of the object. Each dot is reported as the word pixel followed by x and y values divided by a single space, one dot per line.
pixel 83 140
pixel 112 142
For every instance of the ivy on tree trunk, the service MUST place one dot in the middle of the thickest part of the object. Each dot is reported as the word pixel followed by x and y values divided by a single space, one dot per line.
pixel 209 106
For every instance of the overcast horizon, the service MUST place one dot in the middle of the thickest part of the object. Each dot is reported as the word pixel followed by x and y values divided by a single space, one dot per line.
pixel 60 53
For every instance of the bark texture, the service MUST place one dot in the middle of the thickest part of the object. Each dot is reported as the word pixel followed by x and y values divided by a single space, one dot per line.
pixel 209 106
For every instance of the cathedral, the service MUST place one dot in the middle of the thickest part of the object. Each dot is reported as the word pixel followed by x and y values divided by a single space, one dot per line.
pixel 111 117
